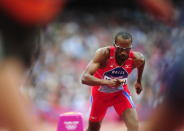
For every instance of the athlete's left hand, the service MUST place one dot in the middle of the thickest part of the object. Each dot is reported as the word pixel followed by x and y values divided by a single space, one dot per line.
pixel 138 87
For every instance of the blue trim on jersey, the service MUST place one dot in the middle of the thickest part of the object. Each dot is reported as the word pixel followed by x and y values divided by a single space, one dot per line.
pixel 91 99
pixel 129 98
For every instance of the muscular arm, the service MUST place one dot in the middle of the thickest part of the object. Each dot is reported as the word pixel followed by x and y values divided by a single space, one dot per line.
pixel 100 58
pixel 139 63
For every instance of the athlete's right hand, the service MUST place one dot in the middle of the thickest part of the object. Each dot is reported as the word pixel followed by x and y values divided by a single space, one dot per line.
pixel 113 83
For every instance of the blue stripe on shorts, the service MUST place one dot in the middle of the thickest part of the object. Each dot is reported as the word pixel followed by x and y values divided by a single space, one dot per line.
pixel 129 98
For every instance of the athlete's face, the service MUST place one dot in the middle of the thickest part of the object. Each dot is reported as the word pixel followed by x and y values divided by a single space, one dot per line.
pixel 123 47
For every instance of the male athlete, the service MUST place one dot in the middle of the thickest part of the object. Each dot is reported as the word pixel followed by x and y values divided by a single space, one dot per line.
pixel 169 116
pixel 107 73
pixel 20 23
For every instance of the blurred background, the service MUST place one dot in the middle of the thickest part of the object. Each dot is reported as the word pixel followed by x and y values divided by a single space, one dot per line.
pixel 81 27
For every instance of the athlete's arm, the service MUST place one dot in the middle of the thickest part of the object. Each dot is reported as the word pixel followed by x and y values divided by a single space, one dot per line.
pixel 139 63
pixel 96 63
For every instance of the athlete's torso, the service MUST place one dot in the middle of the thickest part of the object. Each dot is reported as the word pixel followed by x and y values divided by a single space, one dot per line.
pixel 113 71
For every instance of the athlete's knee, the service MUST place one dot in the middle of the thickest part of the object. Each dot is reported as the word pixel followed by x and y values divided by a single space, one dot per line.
pixel 94 126
pixel 133 125
pixel 131 119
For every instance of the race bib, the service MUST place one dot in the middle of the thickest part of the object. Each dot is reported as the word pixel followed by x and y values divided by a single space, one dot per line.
pixel 116 73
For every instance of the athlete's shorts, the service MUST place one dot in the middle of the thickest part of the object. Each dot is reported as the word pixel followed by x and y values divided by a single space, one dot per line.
pixel 101 101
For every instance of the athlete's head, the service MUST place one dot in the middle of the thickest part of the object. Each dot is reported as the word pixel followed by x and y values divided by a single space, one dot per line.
pixel 123 45
pixel 173 79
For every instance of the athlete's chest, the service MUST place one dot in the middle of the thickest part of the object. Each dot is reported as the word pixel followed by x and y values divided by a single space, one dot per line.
pixel 112 66
pixel 113 71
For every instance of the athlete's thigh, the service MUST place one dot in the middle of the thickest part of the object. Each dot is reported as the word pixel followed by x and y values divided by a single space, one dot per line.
pixel 130 116
pixel 98 109
pixel 123 101
pixel 125 109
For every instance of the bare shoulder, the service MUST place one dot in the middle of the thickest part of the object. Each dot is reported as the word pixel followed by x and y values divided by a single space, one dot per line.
pixel 139 56
pixel 101 54
pixel 103 50
pixel 139 59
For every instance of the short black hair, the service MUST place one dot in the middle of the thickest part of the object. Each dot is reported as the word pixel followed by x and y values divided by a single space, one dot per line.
pixel 124 35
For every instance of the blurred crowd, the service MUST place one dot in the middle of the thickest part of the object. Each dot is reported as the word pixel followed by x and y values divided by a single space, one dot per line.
pixel 70 43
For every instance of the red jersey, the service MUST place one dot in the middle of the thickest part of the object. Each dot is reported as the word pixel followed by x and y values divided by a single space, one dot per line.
pixel 114 71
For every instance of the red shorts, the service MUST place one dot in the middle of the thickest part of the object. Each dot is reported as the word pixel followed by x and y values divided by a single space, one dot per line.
pixel 120 100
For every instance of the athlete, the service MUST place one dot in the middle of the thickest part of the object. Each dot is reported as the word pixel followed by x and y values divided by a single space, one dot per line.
pixel 169 116
pixel 20 25
pixel 107 73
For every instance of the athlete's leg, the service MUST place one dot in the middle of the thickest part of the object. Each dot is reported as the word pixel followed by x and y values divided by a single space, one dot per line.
pixel 94 126
pixel 124 106
pixel 131 120
pixel 98 110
